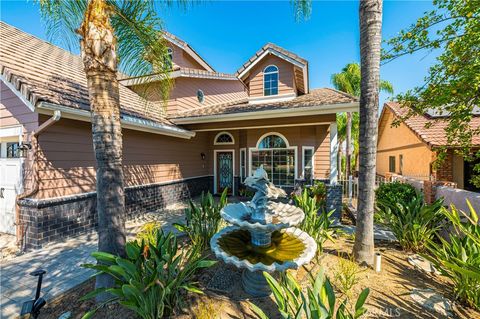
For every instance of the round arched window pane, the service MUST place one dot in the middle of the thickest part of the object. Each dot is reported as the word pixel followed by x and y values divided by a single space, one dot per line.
pixel 200 96
pixel 224 139
pixel 272 141
pixel 270 68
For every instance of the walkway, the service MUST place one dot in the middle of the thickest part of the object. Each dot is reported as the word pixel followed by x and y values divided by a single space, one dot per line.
pixel 62 262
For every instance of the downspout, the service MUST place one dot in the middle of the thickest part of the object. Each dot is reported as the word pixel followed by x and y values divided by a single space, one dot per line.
pixel 32 139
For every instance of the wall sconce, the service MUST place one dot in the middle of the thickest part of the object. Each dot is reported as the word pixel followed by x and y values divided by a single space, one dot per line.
pixel 23 149
pixel 203 156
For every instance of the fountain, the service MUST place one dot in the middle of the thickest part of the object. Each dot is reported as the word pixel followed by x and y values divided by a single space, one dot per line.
pixel 262 237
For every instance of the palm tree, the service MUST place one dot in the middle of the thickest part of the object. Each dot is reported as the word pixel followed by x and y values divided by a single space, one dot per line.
pixel 348 81
pixel 111 34
pixel 370 45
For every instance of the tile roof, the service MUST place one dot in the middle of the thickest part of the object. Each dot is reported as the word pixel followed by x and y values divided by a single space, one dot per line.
pixel 45 72
pixel 196 73
pixel 266 47
pixel 316 97
pixel 434 134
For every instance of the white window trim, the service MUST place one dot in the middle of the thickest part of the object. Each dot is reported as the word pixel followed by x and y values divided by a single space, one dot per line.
pixel 273 133
pixel 278 80
pixel 243 171
pixel 215 169
pixel 313 161
pixel 223 143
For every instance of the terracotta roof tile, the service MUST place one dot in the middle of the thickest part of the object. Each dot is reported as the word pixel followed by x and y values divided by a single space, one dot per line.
pixel 316 97
pixel 45 72
pixel 434 134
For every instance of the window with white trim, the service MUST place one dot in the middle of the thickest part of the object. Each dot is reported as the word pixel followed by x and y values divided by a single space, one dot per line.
pixel 243 164
pixel 169 59
pixel 270 80
pixel 277 158
pixel 308 154
pixel 224 138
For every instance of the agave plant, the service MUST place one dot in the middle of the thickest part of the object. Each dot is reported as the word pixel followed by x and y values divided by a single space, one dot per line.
pixel 202 222
pixel 152 278
pixel 319 302
pixel 413 222
pixel 318 222
pixel 458 258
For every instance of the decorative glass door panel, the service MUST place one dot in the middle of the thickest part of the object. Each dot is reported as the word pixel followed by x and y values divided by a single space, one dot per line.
pixel 224 171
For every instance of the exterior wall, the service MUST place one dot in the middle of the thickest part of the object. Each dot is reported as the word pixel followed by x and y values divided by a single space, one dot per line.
pixel 445 171
pixel 285 71
pixel 67 162
pixel 458 169
pixel 14 112
pixel 183 59
pixel 396 141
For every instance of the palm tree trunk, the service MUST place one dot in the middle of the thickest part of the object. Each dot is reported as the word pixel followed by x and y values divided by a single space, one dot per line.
pixel 100 62
pixel 370 41
pixel 349 143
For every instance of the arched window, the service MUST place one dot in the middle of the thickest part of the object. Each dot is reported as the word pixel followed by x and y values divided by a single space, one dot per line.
pixel 224 138
pixel 270 80
pixel 277 157
pixel 169 59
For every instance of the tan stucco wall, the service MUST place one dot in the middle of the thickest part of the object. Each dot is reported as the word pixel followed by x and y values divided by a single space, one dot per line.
pixel 393 141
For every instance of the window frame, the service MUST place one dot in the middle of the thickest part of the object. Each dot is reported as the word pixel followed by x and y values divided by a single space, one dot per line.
pixel 223 143
pixel 169 58
pixel 268 73
pixel 392 159
pixel 243 164
pixel 400 164
pixel 311 148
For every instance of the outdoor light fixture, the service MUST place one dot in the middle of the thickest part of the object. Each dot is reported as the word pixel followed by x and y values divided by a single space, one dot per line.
pixel 23 149
pixel 203 156
pixel 33 307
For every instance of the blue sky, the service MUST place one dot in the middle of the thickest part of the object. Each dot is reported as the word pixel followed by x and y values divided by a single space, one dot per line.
pixel 227 33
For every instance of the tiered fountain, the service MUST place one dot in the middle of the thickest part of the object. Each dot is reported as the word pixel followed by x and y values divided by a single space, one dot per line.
pixel 262 237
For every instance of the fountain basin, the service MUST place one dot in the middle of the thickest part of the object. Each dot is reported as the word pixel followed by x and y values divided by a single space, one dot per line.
pixel 290 249
pixel 278 216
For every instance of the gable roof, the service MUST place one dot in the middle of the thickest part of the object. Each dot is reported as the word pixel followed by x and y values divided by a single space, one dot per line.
pixel 187 48
pixel 318 101
pixel 434 134
pixel 280 52
pixel 44 73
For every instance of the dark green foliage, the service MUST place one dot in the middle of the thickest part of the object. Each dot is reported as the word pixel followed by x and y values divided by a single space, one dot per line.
pixel 319 301
pixel 412 221
pixel 458 258
pixel 395 192
pixel 318 191
pixel 203 221
pixel 153 277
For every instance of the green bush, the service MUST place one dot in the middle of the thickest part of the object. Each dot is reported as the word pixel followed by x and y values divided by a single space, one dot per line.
pixel 318 191
pixel 317 222
pixel 319 302
pixel 152 279
pixel 395 192
pixel 413 222
pixel 459 257
pixel 203 221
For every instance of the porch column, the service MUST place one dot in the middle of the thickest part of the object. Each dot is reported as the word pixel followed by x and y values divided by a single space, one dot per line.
pixel 333 154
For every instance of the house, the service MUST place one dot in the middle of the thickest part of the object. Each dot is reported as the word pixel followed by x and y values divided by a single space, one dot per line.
pixel 215 130
pixel 411 148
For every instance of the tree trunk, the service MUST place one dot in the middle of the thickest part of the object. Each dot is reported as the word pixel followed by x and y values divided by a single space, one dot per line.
pixel 370 41
pixel 98 47
pixel 348 145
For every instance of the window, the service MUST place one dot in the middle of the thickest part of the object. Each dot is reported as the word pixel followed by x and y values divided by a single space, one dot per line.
pixel 270 80
pixel 13 150
pixel 169 59
pixel 308 164
pixel 224 138
pixel 243 164
pixel 200 96
pixel 277 158
pixel 400 164
pixel 391 164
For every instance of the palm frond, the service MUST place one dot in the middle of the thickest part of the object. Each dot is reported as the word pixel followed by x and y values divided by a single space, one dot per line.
pixel 302 9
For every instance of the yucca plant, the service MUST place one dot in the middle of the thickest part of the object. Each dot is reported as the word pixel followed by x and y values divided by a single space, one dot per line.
pixel 203 221
pixel 413 222
pixel 319 301
pixel 458 258
pixel 317 222
pixel 153 277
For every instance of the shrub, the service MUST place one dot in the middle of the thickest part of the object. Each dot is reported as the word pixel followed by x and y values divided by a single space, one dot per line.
pixel 318 302
pixel 317 222
pixel 152 279
pixel 203 221
pixel 412 222
pixel 346 275
pixel 318 191
pixel 459 257
pixel 395 192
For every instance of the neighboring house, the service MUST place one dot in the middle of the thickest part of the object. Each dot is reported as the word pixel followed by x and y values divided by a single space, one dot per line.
pixel 215 130
pixel 411 148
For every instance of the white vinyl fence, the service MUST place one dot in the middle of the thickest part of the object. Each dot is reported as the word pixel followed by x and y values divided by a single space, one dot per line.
pixel 458 197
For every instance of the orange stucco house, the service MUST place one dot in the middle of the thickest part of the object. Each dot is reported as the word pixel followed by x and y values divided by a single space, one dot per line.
pixel 217 128
pixel 410 149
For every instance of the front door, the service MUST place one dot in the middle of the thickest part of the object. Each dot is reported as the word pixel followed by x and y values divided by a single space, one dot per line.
pixel 224 171
pixel 10 181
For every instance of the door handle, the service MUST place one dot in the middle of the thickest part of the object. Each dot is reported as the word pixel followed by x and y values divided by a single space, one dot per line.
pixel 1 192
